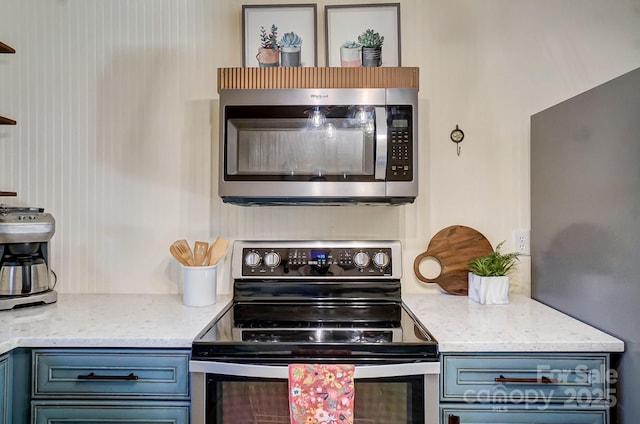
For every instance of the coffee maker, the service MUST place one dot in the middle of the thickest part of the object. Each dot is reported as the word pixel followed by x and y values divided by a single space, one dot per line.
pixel 25 274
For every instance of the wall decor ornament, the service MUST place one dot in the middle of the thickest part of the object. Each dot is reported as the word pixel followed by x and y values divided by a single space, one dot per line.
pixel 279 35
pixel 369 25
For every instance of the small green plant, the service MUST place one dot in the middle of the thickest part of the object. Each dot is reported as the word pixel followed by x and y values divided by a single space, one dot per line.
pixel 269 40
pixel 370 39
pixel 495 264
pixel 351 45
pixel 290 39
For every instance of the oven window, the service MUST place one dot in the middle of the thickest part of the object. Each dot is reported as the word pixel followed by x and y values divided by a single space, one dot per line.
pixel 287 142
pixel 263 401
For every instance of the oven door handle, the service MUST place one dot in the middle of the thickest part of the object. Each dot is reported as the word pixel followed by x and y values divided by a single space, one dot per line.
pixel 282 372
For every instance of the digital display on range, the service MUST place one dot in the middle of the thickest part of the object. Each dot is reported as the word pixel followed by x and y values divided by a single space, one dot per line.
pixel 317 254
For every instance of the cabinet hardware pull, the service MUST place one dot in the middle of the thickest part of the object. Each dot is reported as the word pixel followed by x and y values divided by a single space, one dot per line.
pixel 453 419
pixel 543 380
pixel 93 376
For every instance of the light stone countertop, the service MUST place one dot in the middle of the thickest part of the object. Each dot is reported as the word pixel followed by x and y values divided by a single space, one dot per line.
pixel 524 325
pixel 107 320
pixel 162 321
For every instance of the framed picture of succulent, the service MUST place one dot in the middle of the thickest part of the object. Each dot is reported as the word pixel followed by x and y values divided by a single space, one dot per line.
pixel 279 35
pixel 363 35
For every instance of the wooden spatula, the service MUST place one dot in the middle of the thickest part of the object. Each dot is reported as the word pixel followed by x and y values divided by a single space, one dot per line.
pixel 200 250
pixel 183 251
pixel 217 250
pixel 176 254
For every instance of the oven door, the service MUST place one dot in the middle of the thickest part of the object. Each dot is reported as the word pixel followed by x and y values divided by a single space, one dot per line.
pixel 225 393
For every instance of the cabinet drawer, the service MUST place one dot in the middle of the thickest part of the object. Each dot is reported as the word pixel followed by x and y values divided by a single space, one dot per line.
pixel 520 379
pixel 503 414
pixel 49 412
pixel 116 373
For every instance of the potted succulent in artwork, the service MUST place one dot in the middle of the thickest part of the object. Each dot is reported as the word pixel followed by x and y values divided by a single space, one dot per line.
pixel 268 53
pixel 290 49
pixel 488 279
pixel 371 48
pixel 351 54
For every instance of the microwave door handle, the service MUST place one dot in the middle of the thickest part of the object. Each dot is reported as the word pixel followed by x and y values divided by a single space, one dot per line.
pixel 381 143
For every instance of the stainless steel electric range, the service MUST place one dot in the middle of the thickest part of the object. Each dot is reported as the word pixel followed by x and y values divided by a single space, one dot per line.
pixel 314 302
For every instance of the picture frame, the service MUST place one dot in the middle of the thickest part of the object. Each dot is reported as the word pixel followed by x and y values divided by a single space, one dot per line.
pixel 300 19
pixel 347 22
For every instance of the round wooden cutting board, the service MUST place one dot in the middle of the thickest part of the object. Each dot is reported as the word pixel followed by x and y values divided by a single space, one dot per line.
pixel 453 247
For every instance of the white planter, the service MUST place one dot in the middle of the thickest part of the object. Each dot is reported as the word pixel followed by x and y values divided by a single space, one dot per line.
pixel 489 290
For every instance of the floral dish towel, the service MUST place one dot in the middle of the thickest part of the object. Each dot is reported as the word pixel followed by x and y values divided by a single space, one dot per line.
pixel 321 393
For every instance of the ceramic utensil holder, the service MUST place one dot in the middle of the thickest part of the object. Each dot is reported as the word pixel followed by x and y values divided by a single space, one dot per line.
pixel 199 285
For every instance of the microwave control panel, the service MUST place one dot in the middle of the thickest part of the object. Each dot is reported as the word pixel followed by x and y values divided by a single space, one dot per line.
pixel 399 144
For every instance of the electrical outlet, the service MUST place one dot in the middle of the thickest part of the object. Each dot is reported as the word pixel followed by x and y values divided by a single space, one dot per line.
pixel 522 242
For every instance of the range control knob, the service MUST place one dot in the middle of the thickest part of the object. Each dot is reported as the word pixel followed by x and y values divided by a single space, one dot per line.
pixel 361 259
pixel 252 259
pixel 272 259
pixel 381 260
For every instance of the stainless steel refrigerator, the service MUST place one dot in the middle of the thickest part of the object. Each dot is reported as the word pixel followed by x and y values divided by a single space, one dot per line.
pixel 585 219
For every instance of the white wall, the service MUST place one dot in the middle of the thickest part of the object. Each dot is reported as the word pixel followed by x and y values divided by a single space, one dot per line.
pixel 116 106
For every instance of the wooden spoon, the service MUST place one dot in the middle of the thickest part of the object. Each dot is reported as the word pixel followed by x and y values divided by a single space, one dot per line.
pixel 200 250
pixel 184 251
pixel 217 250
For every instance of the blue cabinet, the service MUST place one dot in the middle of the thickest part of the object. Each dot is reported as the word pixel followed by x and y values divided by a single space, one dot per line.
pixel 5 384
pixel 78 412
pixel 114 385
pixel 506 414
pixel 526 387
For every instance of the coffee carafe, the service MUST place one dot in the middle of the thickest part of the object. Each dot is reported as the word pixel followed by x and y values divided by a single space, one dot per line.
pixel 23 269
pixel 25 276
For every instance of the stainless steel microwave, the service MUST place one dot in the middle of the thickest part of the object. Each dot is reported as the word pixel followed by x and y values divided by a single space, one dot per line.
pixel 318 146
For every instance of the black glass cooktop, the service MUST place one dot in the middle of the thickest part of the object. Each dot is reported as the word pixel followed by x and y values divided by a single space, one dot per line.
pixel 331 331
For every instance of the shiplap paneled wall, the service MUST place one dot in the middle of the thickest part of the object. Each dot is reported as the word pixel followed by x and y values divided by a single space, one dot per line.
pixel 117 128
pixel 113 103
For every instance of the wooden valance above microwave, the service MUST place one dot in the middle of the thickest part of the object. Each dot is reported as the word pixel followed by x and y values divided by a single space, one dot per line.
pixel 310 77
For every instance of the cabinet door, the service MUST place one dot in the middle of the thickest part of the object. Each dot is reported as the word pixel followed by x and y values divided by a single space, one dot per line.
pixel 78 412
pixel 465 414
pixel 5 399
